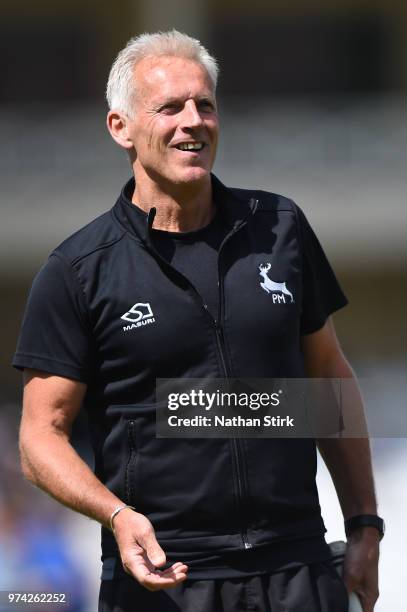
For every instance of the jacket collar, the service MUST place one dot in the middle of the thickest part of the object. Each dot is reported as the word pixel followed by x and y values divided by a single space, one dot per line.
pixel 234 209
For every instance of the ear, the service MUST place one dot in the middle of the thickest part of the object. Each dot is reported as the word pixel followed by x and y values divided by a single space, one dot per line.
pixel 118 124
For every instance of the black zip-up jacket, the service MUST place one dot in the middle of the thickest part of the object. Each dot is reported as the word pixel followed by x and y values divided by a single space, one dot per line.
pixel 200 494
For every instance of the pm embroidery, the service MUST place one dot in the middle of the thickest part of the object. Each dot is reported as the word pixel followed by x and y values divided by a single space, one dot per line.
pixel 273 287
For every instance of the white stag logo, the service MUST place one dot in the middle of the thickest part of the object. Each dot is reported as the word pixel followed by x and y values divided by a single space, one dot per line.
pixel 270 286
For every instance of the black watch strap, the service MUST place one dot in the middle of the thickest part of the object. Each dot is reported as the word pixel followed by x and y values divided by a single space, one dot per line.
pixel 364 520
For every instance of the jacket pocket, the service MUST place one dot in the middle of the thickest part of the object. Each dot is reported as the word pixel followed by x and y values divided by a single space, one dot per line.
pixel 119 455
pixel 186 483
pixel 130 476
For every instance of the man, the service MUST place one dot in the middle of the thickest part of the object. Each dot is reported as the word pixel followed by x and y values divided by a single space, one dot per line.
pixel 167 284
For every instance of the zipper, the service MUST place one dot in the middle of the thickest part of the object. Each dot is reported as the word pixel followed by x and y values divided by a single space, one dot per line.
pixel 239 461
pixel 131 435
pixel 220 343
pixel 237 451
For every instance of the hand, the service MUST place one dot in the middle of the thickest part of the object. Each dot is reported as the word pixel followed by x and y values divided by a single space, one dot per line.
pixel 361 566
pixel 141 554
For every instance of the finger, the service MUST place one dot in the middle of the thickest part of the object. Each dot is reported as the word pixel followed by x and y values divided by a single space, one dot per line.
pixel 366 602
pixel 366 607
pixel 141 568
pixel 155 582
pixel 152 548
pixel 350 585
pixel 351 581
pixel 175 570
pixel 177 565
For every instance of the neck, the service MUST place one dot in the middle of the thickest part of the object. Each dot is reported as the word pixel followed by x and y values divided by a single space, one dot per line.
pixel 180 208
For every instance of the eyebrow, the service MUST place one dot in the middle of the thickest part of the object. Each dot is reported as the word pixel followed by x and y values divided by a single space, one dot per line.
pixel 173 100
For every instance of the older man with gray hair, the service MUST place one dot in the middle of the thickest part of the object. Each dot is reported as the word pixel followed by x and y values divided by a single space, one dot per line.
pixel 166 285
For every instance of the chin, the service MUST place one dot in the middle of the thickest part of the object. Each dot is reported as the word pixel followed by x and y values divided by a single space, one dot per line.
pixel 193 175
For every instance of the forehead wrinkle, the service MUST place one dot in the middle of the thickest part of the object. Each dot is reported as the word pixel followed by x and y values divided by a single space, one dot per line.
pixel 155 75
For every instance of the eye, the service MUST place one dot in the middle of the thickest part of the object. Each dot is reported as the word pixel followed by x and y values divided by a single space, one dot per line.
pixel 171 108
pixel 206 106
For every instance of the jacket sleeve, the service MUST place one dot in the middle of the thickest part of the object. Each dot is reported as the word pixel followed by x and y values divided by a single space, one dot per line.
pixel 55 334
pixel 322 294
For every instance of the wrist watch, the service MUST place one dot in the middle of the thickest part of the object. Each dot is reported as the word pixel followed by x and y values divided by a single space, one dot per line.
pixel 364 520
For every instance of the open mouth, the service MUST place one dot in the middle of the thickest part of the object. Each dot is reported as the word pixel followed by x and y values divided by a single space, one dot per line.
pixel 190 146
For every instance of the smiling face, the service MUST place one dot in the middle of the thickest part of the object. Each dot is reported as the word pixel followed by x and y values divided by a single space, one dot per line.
pixel 175 127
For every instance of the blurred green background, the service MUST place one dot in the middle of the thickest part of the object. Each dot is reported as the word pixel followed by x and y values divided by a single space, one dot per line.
pixel 312 101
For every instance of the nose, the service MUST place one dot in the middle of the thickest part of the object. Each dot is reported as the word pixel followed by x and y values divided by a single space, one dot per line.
pixel 191 117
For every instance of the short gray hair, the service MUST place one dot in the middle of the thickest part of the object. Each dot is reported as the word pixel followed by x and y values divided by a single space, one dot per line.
pixel 121 87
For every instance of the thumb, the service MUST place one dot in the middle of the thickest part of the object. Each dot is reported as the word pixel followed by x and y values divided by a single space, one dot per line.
pixel 351 582
pixel 154 551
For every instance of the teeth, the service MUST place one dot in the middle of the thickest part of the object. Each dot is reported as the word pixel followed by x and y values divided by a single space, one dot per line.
pixel 190 146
